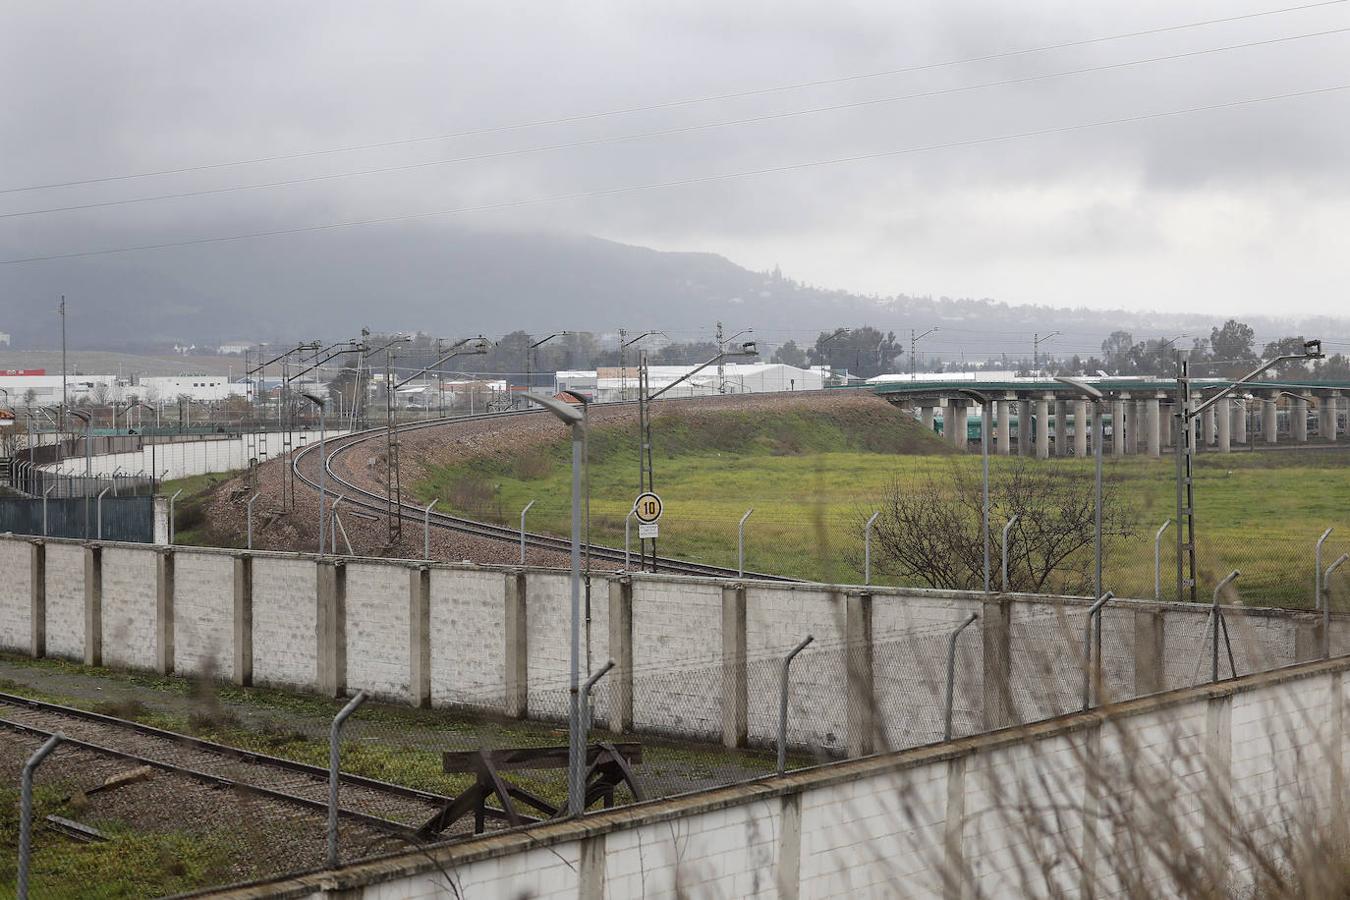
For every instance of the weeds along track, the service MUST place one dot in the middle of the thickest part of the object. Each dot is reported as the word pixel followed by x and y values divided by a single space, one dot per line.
pixel 376 805
pixel 305 464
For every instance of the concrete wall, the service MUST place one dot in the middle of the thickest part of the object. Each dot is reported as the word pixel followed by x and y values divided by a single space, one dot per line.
pixel 697 658
pixel 181 459
pixel 1031 811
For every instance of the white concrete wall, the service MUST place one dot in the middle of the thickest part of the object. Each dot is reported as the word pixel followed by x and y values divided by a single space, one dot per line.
pixel 285 622
pixel 184 458
pixel 467 638
pixel 65 600
pixel 1031 812
pixel 203 620
pixel 378 658
pixel 677 646
pixel 16 596
pixel 129 607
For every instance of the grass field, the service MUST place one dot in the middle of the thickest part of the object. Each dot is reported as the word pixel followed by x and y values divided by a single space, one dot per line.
pixel 1260 513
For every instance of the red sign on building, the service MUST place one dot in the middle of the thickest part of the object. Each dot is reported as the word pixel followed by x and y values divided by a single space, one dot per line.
pixel 23 371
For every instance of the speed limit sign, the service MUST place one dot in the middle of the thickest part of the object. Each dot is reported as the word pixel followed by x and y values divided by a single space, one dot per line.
pixel 647 507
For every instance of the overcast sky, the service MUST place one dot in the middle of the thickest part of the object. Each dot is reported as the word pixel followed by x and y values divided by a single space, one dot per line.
pixel 1240 210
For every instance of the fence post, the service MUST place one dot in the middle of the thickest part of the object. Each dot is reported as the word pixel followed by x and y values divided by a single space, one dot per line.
pixel 522 530
pixel 740 543
pixel 172 499
pixel 1157 561
pixel 627 532
pixel 951 674
pixel 1317 568
pixel 735 689
pixel 1006 529
pixel 37 593
pixel 44 508
pixel 98 513
pixel 334 757
pixel 164 592
pixel 426 529
pixel 1326 603
pixel 783 701
pixel 859 673
pixel 93 605
pixel 996 639
pixel 1217 622
pixel 1149 647
pixel 1094 616
pixel 26 809
pixel 867 548
pixel 243 620
pixel 621 649
pixel 516 652
pixel 419 636
pixel 331 619
pixel 249 507
pixel 586 701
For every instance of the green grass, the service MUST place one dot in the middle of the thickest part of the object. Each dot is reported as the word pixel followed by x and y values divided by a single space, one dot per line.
pixel 129 864
pixel 1260 513
pixel 192 527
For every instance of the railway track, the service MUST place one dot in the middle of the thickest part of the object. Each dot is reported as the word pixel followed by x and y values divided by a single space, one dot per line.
pixel 383 807
pixel 372 501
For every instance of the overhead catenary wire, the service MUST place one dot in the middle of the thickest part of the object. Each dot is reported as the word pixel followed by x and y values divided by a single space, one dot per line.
pixel 683 182
pixel 683 102
pixel 671 132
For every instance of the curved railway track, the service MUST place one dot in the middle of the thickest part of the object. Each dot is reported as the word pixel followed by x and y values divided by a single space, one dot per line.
pixel 378 503
pixel 383 807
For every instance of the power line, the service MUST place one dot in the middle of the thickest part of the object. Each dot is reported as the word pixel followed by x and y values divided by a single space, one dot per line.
pixel 685 182
pixel 675 104
pixel 669 132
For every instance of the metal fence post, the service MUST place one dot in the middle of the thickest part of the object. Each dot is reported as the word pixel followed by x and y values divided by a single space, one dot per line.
pixel 783 702
pixel 1006 529
pixel 586 699
pixel 951 674
pixel 740 543
pixel 172 499
pixel 45 494
pixel 249 507
pixel 1157 561
pixel 26 809
pixel 522 530
pixel 426 529
pixel 98 512
pixel 627 533
pixel 867 548
pixel 1326 603
pixel 333 761
pixel 333 523
pixel 1317 567
pixel 1218 615
pixel 1094 617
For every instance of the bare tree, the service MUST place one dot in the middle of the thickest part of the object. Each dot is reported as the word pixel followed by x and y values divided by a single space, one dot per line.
pixel 929 530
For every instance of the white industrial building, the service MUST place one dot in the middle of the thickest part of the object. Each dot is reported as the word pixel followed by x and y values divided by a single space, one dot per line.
pixel 25 389
pixel 195 387
pixel 605 385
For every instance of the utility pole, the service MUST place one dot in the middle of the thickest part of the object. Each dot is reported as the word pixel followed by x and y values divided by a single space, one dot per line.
pixel 64 399
pixel 913 349
pixel 721 368
pixel 623 371
pixel 1036 341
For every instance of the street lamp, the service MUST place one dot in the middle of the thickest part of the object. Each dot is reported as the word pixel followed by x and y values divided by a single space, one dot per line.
pixel 569 416
pixel 323 459
pixel 1096 397
pixel 985 409
pixel 914 349
pixel 1036 341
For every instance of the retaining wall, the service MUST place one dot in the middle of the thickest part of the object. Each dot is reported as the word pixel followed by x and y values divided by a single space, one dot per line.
pixel 695 658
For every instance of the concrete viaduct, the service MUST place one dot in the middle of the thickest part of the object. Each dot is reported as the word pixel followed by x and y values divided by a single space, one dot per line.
pixel 1139 413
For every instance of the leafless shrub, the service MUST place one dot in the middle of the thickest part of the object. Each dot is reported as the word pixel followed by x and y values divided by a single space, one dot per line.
pixel 929 530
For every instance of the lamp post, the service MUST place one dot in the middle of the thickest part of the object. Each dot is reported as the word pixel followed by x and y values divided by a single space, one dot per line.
pixel 569 416
pixel 1096 397
pixel 914 350
pixel 323 459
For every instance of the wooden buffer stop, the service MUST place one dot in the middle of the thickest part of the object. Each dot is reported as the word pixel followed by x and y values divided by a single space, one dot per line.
pixel 608 766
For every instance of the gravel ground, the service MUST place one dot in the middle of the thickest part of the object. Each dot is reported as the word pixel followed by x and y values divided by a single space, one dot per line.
pixel 505 437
